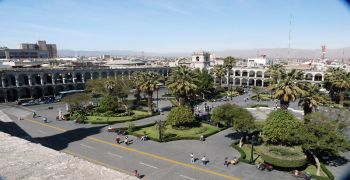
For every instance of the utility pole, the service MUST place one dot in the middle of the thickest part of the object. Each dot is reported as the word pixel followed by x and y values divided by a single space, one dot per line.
pixel 290 34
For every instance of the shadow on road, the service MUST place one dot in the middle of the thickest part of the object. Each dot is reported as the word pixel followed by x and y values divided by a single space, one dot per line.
pixel 235 135
pixel 14 130
pixel 61 141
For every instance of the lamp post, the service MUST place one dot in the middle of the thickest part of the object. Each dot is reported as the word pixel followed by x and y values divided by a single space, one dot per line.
pixel 253 142
pixel 158 86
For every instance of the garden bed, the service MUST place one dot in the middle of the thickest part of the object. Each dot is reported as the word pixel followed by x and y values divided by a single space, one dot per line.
pixel 172 134
pixel 111 120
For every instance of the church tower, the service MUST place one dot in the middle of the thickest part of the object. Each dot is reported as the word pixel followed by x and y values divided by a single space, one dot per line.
pixel 200 59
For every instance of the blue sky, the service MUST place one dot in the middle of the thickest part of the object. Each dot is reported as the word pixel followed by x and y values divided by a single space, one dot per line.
pixel 175 25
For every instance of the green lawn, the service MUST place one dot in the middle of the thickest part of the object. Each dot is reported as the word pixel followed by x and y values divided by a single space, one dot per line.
pixel 193 133
pixel 247 149
pixel 102 120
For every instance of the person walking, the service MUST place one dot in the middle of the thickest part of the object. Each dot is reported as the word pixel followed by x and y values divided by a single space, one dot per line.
pixel 192 158
pixel 204 160
pixel 126 141
pixel 226 162
pixel 117 139
pixel 136 174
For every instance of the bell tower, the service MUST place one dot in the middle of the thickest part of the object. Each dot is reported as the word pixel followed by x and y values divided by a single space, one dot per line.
pixel 200 59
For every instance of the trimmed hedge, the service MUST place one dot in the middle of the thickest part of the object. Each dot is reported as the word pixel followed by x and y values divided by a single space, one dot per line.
pixel 327 172
pixel 241 152
pixel 135 118
pixel 259 105
pixel 282 161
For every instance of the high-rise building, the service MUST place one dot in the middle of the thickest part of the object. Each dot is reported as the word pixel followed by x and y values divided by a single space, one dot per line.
pixel 41 46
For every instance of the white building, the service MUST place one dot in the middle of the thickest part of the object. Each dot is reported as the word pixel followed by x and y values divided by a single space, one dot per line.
pixel 200 60
pixel 257 62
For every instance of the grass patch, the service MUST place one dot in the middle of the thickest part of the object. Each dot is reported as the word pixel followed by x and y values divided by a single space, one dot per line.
pixel 111 120
pixel 177 134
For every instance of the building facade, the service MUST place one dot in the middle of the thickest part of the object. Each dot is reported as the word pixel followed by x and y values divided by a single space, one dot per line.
pixel 36 83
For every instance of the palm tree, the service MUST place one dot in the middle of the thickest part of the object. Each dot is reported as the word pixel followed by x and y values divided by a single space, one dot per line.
pixel 219 71
pixel 229 62
pixel 148 84
pixel 182 82
pixel 341 80
pixel 311 99
pixel 276 72
pixel 109 86
pixel 137 77
pixel 288 88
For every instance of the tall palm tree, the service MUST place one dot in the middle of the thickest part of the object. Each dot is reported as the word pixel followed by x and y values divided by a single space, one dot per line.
pixel 182 82
pixel 149 84
pixel 109 86
pixel 311 99
pixel 229 62
pixel 276 72
pixel 341 80
pixel 288 88
pixel 219 71
pixel 137 77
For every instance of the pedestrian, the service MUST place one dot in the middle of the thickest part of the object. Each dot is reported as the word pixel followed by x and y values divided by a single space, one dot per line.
pixel 192 158
pixel 136 174
pixel 117 139
pixel 204 160
pixel 34 114
pixel 126 141
pixel 226 162
pixel 45 119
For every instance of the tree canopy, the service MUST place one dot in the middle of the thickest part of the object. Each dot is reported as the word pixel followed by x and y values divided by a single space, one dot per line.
pixel 233 115
pixel 181 117
pixel 281 127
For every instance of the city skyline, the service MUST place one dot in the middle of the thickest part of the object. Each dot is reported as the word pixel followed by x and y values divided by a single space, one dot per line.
pixel 175 26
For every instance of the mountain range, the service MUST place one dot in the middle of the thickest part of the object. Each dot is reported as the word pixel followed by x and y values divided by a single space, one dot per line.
pixel 240 53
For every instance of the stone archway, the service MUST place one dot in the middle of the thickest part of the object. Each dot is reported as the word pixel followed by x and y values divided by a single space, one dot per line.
pixel 244 82
pixel 308 76
pixel 95 75
pixel 49 91
pixel 251 82
pixel 36 79
pixel 104 74
pixel 11 95
pixel 251 73
pixel 10 80
pixel 244 73
pixel 58 89
pixel 87 76
pixel 237 73
pixel 259 74
pixel 24 92
pixel 47 78
pixel 318 77
pixel 37 92
pixel 2 95
pixel 23 80
pixel 237 81
pixel 259 82
pixel 78 77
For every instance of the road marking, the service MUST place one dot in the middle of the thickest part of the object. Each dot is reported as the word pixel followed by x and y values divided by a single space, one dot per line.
pixel 84 145
pixel 186 177
pixel 97 162
pixel 116 155
pixel 145 153
pixel 42 132
pixel 148 165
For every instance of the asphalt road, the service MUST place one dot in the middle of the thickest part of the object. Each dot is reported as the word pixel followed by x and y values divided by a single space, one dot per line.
pixel 154 160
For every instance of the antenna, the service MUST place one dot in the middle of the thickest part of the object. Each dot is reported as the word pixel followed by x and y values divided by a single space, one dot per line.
pixel 143 55
pixel 290 34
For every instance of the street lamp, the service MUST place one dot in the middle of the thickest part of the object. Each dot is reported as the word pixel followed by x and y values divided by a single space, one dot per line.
pixel 253 142
pixel 158 86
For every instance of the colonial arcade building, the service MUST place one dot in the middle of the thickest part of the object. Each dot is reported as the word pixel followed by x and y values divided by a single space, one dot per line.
pixel 36 83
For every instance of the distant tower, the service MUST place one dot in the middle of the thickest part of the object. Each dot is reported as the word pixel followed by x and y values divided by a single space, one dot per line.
pixel 143 55
pixel 200 60
pixel 290 34
pixel 323 56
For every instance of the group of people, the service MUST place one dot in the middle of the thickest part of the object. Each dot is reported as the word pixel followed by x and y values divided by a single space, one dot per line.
pixel 234 161
pixel 126 140
pixel 203 159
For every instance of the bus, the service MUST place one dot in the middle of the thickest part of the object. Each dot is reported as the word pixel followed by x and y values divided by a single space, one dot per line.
pixel 63 94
